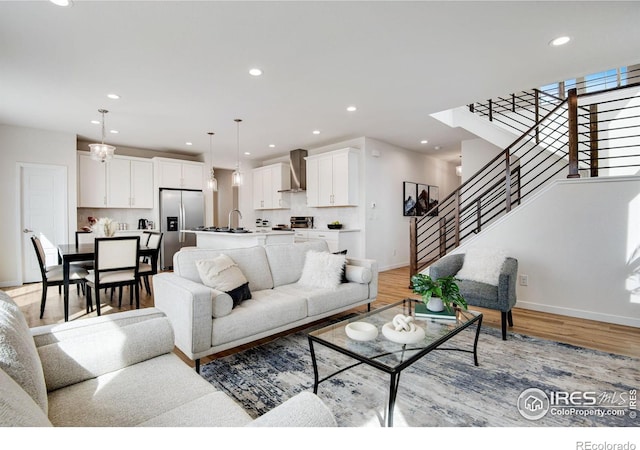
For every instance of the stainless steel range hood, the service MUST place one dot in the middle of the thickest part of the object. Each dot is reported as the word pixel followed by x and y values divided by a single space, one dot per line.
pixel 298 171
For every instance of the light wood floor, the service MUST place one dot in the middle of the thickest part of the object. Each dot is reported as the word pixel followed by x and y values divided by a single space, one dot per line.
pixel 393 286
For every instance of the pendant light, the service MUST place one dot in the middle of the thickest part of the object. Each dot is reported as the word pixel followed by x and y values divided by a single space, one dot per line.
pixel 102 152
pixel 236 176
pixel 212 183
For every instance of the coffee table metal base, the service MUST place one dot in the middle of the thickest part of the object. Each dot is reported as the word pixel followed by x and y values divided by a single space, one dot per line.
pixel 393 373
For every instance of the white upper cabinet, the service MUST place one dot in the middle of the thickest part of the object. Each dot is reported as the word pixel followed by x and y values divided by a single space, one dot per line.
pixel 92 182
pixel 332 178
pixel 267 181
pixel 173 173
pixel 122 182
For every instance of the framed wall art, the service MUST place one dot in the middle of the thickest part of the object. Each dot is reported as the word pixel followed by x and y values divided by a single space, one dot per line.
pixel 419 198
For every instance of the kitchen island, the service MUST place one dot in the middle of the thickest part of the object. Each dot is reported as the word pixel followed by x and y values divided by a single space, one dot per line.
pixel 221 240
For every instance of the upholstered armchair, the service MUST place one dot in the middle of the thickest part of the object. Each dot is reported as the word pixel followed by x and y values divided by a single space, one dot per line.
pixel 500 295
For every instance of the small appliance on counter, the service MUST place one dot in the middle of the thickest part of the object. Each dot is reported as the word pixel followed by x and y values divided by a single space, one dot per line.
pixel 301 222
pixel 143 224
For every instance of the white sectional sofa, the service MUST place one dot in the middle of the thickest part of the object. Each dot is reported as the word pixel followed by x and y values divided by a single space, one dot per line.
pixel 117 370
pixel 203 318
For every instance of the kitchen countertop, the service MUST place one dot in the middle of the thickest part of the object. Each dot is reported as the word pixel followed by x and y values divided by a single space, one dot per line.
pixel 250 233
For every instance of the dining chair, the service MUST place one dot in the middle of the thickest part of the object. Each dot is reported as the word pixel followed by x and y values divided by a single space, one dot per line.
pixel 115 265
pixel 54 275
pixel 84 237
pixel 146 269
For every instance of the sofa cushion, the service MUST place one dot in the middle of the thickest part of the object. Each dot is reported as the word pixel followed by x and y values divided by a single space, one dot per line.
pixel 287 260
pixel 322 270
pixel 80 358
pixel 268 309
pixel 129 396
pixel 320 301
pixel 216 409
pixel 482 265
pixel 17 409
pixel 252 261
pixel 223 274
pixel 18 354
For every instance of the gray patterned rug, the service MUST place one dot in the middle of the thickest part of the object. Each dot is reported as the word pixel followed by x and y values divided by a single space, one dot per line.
pixel 444 389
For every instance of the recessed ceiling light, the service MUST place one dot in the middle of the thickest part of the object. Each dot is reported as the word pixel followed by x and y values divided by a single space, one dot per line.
pixel 424 141
pixel 351 108
pixel 61 2
pixel 272 145
pixel 247 153
pixel 113 96
pixel 188 143
pixel 95 122
pixel 559 41
pixel 114 131
pixel 255 72
pixel 437 147
pixel 316 131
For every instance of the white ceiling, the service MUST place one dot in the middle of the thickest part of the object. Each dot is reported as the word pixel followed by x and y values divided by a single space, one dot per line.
pixel 181 68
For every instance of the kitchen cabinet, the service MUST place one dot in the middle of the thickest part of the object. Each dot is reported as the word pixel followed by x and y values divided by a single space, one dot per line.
pixel 177 174
pixel 122 182
pixel 337 240
pixel 332 178
pixel 267 182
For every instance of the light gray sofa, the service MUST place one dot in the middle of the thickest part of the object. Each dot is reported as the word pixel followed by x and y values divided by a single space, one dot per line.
pixel 117 370
pixel 203 318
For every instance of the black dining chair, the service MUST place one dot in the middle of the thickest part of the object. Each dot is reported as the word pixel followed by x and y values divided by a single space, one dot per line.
pixel 54 275
pixel 115 265
pixel 149 268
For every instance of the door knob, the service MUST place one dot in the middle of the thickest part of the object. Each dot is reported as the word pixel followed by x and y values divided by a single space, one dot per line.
pixel 26 230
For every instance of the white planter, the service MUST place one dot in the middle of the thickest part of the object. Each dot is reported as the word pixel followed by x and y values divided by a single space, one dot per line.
pixel 435 304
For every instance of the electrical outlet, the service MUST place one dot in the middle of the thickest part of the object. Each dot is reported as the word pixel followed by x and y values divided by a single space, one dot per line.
pixel 524 280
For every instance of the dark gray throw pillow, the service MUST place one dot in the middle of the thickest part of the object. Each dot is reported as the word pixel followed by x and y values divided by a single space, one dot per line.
pixel 344 267
pixel 240 293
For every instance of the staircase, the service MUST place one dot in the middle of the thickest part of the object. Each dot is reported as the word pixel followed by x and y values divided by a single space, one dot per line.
pixel 591 134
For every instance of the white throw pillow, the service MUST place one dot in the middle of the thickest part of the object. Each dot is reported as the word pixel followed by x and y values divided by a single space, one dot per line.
pixel 220 273
pixel 482 265
pixel 322 270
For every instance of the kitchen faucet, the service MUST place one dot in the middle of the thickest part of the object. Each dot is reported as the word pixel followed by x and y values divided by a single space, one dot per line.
pixel 231 212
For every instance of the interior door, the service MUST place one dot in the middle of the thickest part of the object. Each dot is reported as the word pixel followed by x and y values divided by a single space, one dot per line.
pixel 43 213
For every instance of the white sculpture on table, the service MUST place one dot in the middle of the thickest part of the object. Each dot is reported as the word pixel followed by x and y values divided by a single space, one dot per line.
pixel 402 330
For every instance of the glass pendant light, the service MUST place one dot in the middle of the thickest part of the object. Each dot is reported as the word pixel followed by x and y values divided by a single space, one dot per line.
pixel 102 152
pixel 212 183
pixel 236 176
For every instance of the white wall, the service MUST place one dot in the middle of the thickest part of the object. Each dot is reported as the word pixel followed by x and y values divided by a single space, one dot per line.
pixel 386 168
pixel 28 145
pixel 475 154
pixel 579 243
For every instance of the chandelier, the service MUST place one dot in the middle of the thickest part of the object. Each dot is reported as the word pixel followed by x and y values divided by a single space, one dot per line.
pixel 236 176
pixel 102 152
pixel 212 183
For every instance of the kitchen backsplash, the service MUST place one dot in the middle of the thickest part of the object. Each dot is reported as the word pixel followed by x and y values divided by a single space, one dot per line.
pixel 347 215
pixel 128 216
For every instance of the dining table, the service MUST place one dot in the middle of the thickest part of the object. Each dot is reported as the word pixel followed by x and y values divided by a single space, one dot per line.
pixel 70 253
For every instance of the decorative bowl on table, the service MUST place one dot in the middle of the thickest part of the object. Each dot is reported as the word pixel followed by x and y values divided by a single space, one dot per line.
pixel 334 226
pixel 361 331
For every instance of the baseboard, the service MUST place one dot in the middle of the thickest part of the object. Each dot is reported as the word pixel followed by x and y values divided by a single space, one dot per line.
pixel 393 266
pixel 13 283
pixel 581 314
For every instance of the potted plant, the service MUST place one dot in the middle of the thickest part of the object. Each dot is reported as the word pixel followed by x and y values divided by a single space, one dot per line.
pixel 445 289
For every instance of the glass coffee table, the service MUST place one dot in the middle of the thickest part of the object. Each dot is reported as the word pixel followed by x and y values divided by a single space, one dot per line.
pixel 386 355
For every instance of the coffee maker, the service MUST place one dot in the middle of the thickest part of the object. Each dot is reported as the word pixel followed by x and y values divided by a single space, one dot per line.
pixel 142 224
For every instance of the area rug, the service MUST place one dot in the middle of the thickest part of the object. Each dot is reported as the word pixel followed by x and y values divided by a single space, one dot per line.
pixel 444 389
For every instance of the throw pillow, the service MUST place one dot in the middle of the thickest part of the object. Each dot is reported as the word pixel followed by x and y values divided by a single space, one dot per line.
pixel 482 265
pixel 223 274
pixel 344 267
pixel 322 270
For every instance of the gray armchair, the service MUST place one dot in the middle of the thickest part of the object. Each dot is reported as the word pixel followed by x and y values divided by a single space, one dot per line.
pixel 501 297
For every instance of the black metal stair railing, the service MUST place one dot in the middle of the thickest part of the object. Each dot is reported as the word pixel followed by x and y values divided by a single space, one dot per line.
pixel 594 134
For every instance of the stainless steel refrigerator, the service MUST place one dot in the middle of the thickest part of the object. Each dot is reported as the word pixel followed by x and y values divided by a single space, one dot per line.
pixel 179 210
